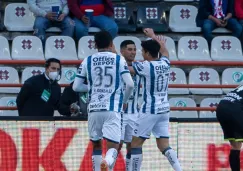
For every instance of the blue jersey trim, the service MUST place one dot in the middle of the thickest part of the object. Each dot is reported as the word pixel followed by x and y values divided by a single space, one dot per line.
pixel 144 97
pixel 166 60
pixel 120 102
pixel 112 98
pixel 89 75
pixel 152 82
pixel 135 69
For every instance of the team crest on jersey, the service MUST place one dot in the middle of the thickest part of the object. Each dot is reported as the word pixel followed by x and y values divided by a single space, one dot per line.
pixel 237 77
pixel 70 75
pixel 101 96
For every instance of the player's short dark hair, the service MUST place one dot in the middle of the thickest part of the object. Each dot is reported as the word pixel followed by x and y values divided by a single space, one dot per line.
pixel 125 43
pixel 103 39
pixel 151 46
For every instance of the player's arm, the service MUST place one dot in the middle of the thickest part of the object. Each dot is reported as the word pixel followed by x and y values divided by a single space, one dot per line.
pixel 160 39
pixel 79 82
pixel 126 76
pixel 138 68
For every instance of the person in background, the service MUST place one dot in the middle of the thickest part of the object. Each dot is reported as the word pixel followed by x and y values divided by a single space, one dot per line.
pixel 46 17
pixel 40 94
pixel 73 103
pixel 214 14
pixel 102 16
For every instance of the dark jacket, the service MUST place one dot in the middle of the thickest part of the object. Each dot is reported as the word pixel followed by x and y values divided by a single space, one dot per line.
pixel 29 101
pixel 68 97
pixel 76 12
pixel 206 8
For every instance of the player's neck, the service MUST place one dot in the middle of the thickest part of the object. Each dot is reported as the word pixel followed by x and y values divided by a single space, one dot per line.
pixel 104 50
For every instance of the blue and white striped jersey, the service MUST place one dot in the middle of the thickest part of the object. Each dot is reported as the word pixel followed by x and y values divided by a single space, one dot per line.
pixel 155 79
pixel 132 106
pixel 103 71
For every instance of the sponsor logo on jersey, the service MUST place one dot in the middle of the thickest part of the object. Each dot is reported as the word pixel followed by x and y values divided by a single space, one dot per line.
pixel 103 60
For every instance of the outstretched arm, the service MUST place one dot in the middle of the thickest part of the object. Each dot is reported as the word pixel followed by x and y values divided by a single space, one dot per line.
pixel 160 39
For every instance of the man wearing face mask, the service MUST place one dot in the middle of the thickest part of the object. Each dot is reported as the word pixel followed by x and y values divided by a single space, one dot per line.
pixel 40 94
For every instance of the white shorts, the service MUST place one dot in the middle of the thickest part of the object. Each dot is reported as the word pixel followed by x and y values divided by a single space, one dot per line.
pixel 104 124
pixel 128 121
pixel 147 123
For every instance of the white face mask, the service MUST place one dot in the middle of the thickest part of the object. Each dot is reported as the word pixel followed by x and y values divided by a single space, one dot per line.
pixel 53 75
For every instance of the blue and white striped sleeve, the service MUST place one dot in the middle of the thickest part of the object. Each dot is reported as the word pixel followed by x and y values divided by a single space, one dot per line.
pixel 164 58
pixel 139 68
pixel 123 66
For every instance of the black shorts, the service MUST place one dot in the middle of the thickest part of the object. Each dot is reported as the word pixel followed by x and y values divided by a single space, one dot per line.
pixel 230 117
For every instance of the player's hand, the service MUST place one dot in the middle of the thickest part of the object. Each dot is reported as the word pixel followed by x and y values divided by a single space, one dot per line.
pixel 149 32
pixel 51 16
pixel 61 17
pixel 162 41
pixel 124 106
pixel 85 19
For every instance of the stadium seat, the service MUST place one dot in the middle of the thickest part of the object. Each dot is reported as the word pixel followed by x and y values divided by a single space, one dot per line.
pixel 124 17
pixel 152 16
pixel 193 48
pixel 27 48
pixel 58 30
pixel 204 76
pixel 60 47
pixel 31 71
pixel 182 19
pixel 119 39
pixel 68 75
pixel 221 30
pixel 86 47
pixel 226 48
pixel 8 102
pixel 9 75
pixel 4 49
pixel 178 76
pixel 18 17
pixel 183 102
pixel 170 45
pixel 232 76
pixel 209 102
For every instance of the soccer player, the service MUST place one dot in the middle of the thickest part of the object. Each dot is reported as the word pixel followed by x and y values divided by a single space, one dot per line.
pixel 106 73
pixel 128 51
pixel 230 116
pixel 155 109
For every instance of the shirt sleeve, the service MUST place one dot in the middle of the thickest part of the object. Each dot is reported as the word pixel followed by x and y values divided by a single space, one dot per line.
pixel 164 58
pixel 82 72
pixel 123 66
pixel 140 67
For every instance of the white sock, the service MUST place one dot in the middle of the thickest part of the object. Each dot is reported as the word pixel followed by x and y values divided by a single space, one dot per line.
pixel 172 158
pixel 96 159
pixel 110 157
pixel 128 162
pixel 136 158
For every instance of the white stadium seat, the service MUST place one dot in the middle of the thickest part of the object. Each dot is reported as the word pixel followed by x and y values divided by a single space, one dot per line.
pixel 60 47
pixel 194 48
pixel 170 45
pixel 119 39
pixel 232 76
pixel 58 30
pixel 182 19
pixel 27 48
pixel 4 49
pixel 178 76
pixel 31 71
pixel 86 47
pixel 18 17
pixel 8 102
pixel 183 102
pixel 9 75
pixel 221 30
pixel 226 48
pixel 204 76
pixel 209 102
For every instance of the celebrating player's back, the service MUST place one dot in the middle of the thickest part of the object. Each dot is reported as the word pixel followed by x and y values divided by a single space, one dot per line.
pixel 154 112
pixel 106 73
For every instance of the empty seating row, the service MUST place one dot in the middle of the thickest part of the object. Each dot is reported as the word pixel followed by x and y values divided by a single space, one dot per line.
pixel 128 16
pixel 203 76
pixel 174 102
pixel 195 48
pixel 61 47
